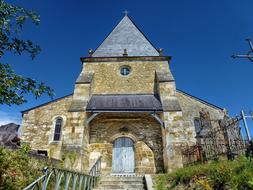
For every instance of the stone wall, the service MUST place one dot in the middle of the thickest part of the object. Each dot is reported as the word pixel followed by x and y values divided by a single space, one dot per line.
pixel 144 159
pixel 141 128
pixel 108 80
pixel 156 148
pixel 101 149
pixel 191 108
pixel 38 130
pixel 38 124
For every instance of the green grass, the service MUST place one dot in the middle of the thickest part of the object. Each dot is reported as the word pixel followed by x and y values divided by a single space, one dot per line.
pixel 218 175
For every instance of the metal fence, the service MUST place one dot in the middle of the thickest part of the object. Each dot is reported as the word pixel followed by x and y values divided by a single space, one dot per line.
pixel 57 179
pixel 224 141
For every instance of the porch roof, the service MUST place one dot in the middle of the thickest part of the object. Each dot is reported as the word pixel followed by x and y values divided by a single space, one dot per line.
pixel 124 103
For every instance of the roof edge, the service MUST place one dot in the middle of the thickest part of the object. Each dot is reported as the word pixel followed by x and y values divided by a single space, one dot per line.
pixel 134 25
pixel 200 100
pixel 24 111
pixel 127 58
pixel 143 34
pixel 141 94
pixel 123 110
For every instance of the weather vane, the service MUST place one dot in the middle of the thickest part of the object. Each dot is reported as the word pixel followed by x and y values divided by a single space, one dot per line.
pixel 249 55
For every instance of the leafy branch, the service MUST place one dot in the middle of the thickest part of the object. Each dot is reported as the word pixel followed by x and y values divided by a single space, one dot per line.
pixel 13 87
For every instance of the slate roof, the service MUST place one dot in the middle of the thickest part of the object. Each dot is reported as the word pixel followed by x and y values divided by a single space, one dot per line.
pixel 125 35
pixel 127 102
pixel 166 103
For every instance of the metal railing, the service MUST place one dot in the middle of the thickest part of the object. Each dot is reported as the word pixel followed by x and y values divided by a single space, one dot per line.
pixel 213 143
pixel 55 178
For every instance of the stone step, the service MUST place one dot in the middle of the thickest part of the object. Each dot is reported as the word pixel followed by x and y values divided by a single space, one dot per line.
pixel 119 186
pixel 126 175
pixel 119 182
pixel 122 180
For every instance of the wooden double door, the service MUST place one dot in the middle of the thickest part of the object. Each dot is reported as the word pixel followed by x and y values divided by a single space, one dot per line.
pixel 123 155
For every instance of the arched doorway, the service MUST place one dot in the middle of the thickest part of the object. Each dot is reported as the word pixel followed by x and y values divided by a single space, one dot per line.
pixel 123 155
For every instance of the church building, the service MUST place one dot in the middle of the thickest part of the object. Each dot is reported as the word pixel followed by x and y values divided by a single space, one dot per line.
pixel 125 108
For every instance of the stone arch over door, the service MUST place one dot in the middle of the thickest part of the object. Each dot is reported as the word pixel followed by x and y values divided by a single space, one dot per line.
pixel 140 127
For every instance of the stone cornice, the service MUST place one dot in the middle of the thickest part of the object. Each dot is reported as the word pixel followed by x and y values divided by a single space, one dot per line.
pixel 126 58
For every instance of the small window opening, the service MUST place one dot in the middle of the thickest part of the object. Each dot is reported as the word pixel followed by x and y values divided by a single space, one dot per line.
pixel 124 70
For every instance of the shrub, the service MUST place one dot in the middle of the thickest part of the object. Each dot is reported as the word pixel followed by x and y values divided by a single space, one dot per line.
pixel 217 175
pixel 17 169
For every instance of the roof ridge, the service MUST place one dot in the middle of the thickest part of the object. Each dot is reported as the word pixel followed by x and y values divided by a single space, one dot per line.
pixel 143 34
pixel 125 35
pixel 46 103
pixel 108 34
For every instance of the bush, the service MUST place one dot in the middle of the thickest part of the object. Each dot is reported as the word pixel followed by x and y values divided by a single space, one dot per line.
pixel 218 175
pixel 17 169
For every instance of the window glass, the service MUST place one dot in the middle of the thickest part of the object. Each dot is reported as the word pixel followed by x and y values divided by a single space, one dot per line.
pixel 124 70
pixel 57 129
pixel 197 125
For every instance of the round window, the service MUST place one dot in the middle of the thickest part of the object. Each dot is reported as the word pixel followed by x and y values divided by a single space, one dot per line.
pixel 124 70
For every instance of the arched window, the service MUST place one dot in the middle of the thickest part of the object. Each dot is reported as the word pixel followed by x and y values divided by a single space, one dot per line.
pixel 197 125
pixel 57 129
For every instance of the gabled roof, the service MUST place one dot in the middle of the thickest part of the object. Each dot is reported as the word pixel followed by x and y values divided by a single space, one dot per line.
pixel 46 103
pixel 158 106
pixel 125 35
pixel 200 100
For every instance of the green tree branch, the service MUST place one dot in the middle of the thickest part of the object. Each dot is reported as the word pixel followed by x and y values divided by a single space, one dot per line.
pixel 13 87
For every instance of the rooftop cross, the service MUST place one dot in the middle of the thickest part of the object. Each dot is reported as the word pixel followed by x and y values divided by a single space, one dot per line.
pixel 125 12
pixel 249 55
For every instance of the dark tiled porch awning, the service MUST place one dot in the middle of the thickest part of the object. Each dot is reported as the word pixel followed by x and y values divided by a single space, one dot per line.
pixel 124 103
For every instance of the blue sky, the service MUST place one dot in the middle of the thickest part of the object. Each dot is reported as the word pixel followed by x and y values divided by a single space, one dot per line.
pixel 200 36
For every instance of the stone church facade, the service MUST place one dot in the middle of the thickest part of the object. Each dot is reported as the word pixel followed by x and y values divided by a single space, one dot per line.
pixel 125 107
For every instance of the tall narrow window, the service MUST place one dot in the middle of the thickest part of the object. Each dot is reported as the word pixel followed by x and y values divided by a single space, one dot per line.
pixel 197 125
pixel 57 129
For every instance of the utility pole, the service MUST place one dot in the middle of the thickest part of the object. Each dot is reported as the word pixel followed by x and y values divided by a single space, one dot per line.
pixel 248 55
pixel 245 125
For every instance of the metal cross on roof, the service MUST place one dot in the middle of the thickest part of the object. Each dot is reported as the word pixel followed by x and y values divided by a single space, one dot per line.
pixel 249 55
pixel 125 12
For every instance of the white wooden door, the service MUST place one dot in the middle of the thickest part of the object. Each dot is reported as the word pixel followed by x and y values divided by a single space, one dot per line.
pixel 123 156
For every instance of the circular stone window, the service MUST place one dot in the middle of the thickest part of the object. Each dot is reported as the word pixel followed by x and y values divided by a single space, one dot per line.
pixel 125 70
